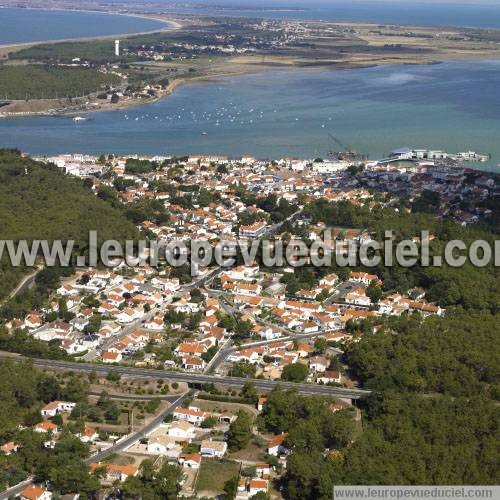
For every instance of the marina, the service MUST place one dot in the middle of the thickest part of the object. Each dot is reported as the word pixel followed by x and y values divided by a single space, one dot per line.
pixel 371 110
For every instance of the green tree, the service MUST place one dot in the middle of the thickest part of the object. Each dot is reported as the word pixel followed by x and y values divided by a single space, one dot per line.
pixel 240 431
pixel 295 372
pixel 374 291
pixel 231 487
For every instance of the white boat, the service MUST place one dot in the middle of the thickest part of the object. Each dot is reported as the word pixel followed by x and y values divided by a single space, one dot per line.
pixel 77 119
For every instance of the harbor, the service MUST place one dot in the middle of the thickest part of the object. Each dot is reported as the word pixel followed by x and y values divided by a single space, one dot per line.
pixel 368 110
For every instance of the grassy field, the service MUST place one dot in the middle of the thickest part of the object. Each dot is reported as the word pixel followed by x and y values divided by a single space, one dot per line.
pixel 213 475
pixel 44 82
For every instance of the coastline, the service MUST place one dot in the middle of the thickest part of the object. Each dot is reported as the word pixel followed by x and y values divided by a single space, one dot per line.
pixel 228 67
pixel 170 25
pixel 177 82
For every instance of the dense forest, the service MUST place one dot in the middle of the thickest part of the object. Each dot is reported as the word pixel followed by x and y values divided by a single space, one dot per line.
pixel 39 201
pixel 23 392
pixel 45 82
pixel 433 417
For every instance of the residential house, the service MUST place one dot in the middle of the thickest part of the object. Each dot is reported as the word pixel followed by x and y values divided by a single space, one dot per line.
pixel 111 357
pixel 46 426
pixel 275 445
pixel 192 415
pixel 210 448
pixel 88 435
pixel 318 364
pixel 329 376
pixel 190 460
pixel 34 492
pixel 116 472
pixel 56 407
pixel 257 486
pixel 181 431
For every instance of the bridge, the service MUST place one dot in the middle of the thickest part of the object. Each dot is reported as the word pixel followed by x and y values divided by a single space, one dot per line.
pixel 196 379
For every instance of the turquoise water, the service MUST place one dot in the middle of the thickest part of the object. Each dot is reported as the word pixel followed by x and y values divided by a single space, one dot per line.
pixel 28 25
pixel 453 106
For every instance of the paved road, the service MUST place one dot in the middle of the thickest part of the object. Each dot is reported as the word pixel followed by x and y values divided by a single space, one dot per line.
pixel 135 436
pixel 25 283
pixel 117 447
pixel 134 325
pixel 198 378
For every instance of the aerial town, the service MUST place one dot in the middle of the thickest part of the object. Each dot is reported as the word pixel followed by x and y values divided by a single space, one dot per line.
pixel 247 323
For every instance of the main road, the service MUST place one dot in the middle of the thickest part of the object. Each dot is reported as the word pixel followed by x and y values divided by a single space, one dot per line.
pixel 196 379
pixel 120 445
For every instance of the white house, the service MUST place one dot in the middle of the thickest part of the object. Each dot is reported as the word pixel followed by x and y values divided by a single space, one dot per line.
pixel 182 431
pixel 190 460
pixel 257 486
pixel 128 315
pixel 275 445
pixel 329 377
pixel 56 407
pixel 211 448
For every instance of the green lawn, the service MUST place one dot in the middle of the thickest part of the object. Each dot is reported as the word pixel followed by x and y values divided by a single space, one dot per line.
pixel 213 475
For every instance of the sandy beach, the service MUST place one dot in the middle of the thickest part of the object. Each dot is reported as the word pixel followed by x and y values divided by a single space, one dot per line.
pixel 170 24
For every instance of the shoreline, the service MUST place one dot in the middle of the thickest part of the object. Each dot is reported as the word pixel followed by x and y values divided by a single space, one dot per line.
pixel 169 25
pixel 177 82
pixel 222 68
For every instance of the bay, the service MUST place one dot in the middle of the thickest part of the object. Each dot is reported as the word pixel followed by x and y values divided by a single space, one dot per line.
pixel 473 13
pixel 453 106
pixel 33 25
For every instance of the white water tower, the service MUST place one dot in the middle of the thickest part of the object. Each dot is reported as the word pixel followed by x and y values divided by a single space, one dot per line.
pixel 117 48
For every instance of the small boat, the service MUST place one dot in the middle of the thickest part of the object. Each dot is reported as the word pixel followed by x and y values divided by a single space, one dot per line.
pixel 204 133
pixel 78 119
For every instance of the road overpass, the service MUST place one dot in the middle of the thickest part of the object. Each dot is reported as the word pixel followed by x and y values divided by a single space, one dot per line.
pixel 196 379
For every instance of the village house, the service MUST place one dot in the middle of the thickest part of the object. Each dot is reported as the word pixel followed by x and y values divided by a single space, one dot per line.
pixel 210 448
pixel 9 448
pixel 164 445
pixel 275 446
pixel 34 492
pixel 115 472
pixel 192 415
pixel 258 486
pixel 55 407
pixel 111 357
pixel 182 430
pixel 46 426
pixel 329 376
pixel 318 364
pixel 190 460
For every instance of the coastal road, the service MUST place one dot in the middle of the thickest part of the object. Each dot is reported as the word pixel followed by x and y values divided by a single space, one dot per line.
pixel 196 378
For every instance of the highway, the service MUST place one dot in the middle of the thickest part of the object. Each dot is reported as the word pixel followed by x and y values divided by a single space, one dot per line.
pixel 197 378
